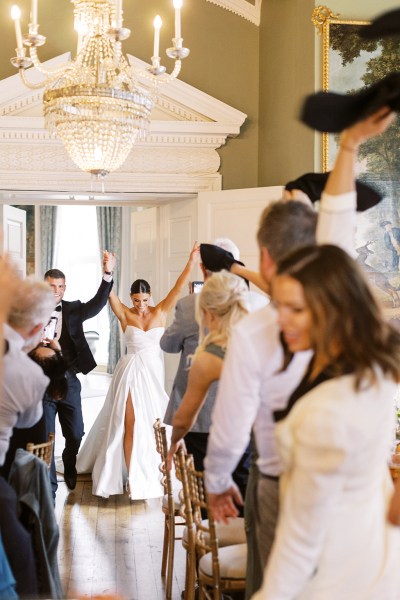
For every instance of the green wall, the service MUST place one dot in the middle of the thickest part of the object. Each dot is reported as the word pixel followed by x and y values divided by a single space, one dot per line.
pixel 286 147
pixel 360 9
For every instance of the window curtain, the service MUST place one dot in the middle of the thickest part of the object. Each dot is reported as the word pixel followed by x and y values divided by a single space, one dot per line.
pixel 109 223
pixel 48 221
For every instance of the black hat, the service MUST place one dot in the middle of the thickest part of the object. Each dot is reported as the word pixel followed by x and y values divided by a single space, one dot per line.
pixel 313 185
pixel 332 112
pixel 215 258
pixel 384 25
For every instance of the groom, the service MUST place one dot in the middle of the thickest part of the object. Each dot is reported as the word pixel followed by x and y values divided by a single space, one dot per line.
pixel 69 318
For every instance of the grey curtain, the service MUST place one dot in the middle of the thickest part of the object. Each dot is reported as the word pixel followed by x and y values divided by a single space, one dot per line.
pixel 48 220
pixel 109 221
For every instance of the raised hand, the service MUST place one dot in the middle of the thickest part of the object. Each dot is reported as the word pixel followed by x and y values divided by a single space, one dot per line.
pixel 362 131
pixel 9 282
pixel 194 256
pixel 109 261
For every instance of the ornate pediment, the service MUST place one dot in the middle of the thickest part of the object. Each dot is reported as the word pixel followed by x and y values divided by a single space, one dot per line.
pixel 248 9
pixel 179 154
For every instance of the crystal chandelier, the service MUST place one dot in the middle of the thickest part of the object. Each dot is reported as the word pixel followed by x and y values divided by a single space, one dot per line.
pixel 95 103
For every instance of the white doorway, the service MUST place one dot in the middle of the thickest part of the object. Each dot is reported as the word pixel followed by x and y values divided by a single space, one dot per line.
pixel 77 254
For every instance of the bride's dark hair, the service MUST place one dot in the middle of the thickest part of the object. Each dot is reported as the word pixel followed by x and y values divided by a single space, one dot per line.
pixel 140 286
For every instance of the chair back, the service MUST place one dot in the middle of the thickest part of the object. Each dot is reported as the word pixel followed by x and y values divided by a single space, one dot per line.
pixel 180 459
pixel 162 449
pixel 206 537
pixel 43 451
pixel 214 563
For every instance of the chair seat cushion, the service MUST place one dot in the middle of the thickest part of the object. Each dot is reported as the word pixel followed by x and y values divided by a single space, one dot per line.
pixel 228 534
pixel 177 501
pixel 232 562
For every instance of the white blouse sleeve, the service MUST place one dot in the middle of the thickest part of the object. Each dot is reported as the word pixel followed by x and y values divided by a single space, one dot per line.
pixel 337 221
pixel 313 487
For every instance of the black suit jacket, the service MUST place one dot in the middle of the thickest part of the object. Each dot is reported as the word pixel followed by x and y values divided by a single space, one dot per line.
pixel 74 314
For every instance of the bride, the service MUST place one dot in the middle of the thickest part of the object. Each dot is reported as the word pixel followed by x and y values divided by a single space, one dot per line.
pixel 120 446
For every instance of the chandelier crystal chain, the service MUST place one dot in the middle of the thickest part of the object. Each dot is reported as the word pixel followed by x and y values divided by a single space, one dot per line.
pixel 96 103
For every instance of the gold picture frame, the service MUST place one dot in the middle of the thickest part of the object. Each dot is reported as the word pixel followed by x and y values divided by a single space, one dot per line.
pixel 323 19
pixel 350 63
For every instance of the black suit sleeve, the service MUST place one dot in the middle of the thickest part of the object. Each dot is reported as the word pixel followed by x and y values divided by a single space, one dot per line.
pixel 92 307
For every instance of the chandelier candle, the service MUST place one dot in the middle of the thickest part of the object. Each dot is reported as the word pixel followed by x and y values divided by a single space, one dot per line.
pixel 157 27
pixel 34 13
pixel 16 15
pixel 177 6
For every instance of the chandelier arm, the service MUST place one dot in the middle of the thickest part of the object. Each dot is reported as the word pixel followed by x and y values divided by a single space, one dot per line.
pixel 32 86
pixel 47 72
pixel 177 69
pixel 161 77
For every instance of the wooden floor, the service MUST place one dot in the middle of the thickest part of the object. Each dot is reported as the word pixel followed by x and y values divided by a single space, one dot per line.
pixel 112 546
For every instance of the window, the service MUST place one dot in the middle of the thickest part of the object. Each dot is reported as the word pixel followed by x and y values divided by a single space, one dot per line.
pixel 77 254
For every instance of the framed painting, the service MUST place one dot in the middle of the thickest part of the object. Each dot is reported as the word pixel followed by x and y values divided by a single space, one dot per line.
pixel 350 63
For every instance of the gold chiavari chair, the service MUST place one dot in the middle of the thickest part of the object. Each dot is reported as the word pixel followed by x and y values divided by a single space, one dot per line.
pixel 189 535
pixel 170 508
pixel 44 450
pixel 218 568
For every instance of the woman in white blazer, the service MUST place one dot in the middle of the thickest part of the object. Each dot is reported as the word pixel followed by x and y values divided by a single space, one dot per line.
pixel 333 541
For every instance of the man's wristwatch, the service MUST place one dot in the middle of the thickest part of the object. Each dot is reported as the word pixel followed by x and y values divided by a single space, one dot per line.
pixel 108 272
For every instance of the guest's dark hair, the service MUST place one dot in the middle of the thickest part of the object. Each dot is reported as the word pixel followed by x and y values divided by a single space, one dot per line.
pixel 344 311
pixel 54 274
pixel 286 226
pixel 140 286
pixel 54 366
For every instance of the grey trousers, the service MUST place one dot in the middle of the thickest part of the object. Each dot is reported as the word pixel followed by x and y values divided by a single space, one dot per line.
pixel 267 509
pixel 254 571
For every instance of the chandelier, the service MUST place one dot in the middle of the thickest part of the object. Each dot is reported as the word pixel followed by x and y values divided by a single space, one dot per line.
pixel 95 103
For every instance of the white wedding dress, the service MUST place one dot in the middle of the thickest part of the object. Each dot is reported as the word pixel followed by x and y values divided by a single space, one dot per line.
pixel 140 371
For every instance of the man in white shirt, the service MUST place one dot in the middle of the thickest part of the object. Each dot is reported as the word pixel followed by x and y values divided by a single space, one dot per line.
pixel 253 385
pixel 24 382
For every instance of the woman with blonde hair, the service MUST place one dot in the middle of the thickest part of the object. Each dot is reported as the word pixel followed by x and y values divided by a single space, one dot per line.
pixel 221 303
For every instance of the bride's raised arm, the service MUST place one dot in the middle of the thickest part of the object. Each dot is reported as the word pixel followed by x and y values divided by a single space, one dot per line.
pixel 119 309
pixel 173 295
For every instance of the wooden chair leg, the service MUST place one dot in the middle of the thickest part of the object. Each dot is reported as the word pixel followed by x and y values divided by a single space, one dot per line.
pixel 171 553
pixel 190 582
pixel 165 548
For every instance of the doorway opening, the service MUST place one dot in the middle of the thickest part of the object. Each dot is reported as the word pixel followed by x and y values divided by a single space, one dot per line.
pixel 77 254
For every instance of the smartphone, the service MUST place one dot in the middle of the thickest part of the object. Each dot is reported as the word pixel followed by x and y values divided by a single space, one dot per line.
pixel 50 329
pixel 195 286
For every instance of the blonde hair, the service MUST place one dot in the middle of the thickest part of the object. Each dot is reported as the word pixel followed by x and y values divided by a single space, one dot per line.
pixel 225 296
pixel 32 304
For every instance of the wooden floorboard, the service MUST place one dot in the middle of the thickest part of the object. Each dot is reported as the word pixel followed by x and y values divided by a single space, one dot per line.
pixel 112 546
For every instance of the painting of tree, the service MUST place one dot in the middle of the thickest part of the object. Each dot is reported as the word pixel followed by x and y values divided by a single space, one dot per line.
pixel 349 64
